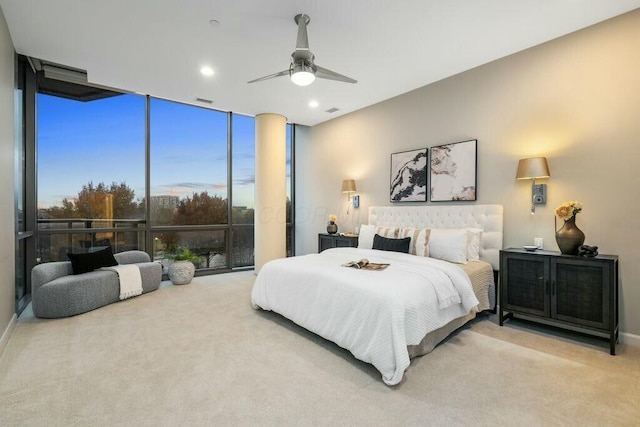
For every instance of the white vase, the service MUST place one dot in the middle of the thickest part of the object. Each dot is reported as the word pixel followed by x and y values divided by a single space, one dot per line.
pixel 181 272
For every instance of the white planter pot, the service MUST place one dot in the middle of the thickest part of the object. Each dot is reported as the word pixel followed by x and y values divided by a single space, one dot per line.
pixel 181 272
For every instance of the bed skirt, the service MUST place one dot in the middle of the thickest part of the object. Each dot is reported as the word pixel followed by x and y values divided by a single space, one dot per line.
pixel 432 339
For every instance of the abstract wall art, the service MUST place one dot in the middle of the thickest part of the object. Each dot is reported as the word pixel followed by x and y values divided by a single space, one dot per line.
pixel 453 171
pixel 409 176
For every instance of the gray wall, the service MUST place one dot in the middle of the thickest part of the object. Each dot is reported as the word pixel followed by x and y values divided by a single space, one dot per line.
pixel 575 100
pixel 7 230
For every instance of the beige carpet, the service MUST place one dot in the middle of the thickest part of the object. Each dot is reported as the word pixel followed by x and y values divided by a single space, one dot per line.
pixel 200 355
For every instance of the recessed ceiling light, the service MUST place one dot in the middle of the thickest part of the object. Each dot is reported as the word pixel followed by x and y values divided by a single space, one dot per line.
pixel 214 22
pixel 206 71
pixel 313 103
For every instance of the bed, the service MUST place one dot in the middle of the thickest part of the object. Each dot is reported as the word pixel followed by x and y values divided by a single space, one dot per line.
pixel 387 317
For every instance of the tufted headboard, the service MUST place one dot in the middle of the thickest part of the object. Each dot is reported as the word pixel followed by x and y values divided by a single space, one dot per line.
pixel 486 217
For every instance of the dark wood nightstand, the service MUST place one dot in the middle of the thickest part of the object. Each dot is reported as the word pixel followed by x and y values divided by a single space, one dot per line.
pixel 574 293
pixel 326 241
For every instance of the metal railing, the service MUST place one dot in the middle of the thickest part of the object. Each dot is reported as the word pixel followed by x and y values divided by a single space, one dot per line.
pixel 96 233
pixel 86 234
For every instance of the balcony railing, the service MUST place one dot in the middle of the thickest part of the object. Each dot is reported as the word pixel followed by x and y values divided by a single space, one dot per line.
pixel 58 236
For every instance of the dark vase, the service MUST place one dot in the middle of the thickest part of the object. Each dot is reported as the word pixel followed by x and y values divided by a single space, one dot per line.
pixel 332 227
pixel 569 237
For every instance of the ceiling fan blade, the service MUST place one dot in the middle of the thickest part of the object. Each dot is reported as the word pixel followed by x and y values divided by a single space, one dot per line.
pixel 323 73
pixel 271 76
pixel 302 42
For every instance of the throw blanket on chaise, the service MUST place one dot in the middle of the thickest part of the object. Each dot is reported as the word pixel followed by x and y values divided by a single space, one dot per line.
pixel 130 279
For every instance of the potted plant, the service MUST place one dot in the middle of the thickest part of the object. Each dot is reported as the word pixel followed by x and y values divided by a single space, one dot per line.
pixel 182 269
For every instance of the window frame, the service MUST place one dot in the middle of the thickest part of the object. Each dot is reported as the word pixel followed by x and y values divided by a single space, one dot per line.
pixel 146 230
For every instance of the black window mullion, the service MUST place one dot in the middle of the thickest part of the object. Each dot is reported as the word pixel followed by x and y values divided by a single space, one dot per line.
pixel 30 176
pixel 293 190
pixel 228 235
pixel 147 178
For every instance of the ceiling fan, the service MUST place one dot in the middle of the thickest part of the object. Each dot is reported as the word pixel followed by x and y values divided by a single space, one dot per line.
pixel 303 71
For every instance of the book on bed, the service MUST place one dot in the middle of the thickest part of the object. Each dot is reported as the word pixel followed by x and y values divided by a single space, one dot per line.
pixel 364 264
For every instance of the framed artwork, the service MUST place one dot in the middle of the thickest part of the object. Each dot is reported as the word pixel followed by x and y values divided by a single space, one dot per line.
pixel 453 171
pixel 409 176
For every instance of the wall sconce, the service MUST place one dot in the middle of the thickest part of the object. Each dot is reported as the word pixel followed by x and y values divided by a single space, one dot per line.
pixel 532 168
pixel 349 187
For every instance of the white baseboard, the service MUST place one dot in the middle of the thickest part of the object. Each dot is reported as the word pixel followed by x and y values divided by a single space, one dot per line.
pixel 630 339
pixel 7 333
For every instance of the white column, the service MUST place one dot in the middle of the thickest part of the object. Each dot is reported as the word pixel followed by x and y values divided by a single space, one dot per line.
pixel 270 188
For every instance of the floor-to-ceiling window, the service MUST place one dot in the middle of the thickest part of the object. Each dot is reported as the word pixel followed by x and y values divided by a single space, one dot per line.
pixel 24 179
pixel 189 181
pixel 24 215
pixel 243 169
pixel 136 172
pixel 19 181
pixel 91 175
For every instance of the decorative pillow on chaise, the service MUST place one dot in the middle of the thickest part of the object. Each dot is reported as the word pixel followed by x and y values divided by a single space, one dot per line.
pixel 86 262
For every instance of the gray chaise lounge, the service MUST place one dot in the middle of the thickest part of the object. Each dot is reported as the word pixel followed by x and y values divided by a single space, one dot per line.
pixel 56 292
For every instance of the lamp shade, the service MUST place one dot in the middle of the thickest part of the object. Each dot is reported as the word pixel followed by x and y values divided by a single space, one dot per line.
pixel 535 167
pixel 348 186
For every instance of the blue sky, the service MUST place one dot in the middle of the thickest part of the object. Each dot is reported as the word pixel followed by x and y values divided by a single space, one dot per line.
pixel 103 141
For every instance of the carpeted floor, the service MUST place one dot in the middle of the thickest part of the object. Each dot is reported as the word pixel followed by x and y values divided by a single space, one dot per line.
pixel 200 355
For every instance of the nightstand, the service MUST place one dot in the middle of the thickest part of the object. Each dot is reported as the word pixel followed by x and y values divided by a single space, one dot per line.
pixel 326 241
pixel 574 293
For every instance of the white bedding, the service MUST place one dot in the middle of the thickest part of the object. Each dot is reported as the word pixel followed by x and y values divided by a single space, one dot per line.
pixel 373 314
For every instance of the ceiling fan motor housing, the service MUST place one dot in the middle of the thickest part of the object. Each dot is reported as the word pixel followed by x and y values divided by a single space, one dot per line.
pixel 302 67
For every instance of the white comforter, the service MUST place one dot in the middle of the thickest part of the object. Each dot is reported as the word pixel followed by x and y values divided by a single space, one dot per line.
pixel 373 314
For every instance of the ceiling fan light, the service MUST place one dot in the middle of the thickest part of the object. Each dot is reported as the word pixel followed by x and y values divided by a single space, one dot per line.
pixel 303 78
pixel 302 74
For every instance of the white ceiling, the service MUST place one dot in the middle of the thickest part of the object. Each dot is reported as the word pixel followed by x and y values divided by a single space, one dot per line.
pixel 157 47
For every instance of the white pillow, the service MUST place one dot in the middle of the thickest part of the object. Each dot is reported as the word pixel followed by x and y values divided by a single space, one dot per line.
pixel 365 237
pixel 449 244
pixel 419 240
pixel 473 246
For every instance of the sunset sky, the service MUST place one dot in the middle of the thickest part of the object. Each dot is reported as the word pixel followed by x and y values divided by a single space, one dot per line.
pixel 104 141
